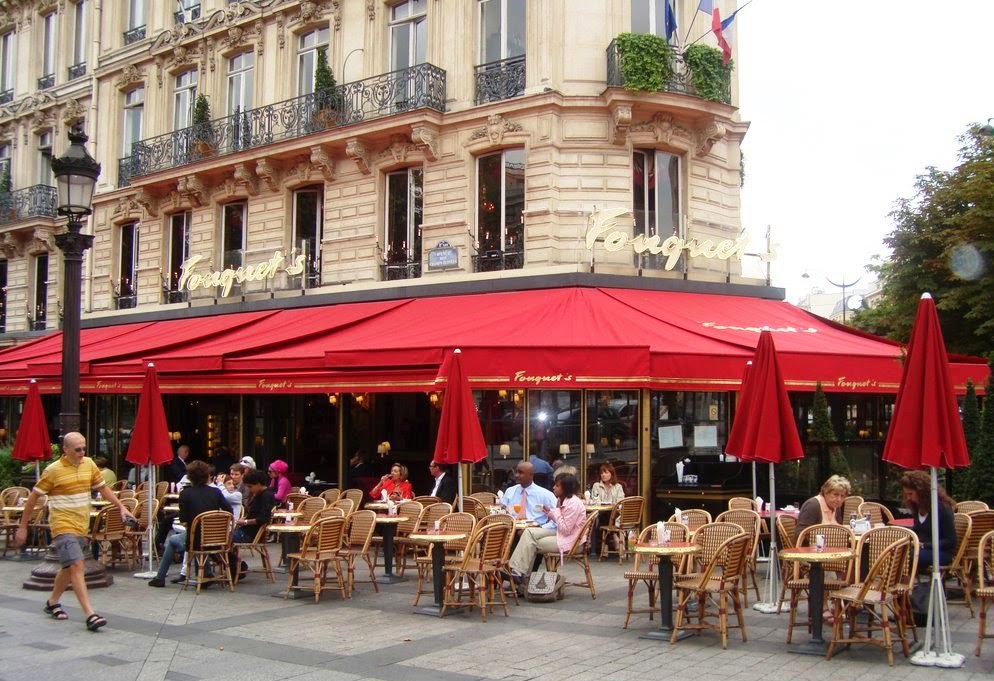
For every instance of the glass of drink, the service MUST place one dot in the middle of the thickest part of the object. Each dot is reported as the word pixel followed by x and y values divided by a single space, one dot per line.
pixel 819 543
pixel 517 509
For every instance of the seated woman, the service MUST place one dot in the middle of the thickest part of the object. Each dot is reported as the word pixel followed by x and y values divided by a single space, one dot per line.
pixel 826 506
pixel 395 483
pixel 917 486
pixel 607 490
pixel 279 483
pixel 569 515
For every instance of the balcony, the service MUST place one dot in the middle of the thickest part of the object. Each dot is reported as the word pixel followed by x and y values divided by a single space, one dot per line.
pixel 124 171
pixel 35 201
pixel 405 269
pixel 134 35
pixel 497 260
pixel 46 82
pixel 7 96
pixel 417 87
pixel 678 76
pixel 498 80
pixel 77 71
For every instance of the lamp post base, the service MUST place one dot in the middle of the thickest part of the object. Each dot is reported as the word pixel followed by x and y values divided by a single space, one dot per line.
pixel 43 577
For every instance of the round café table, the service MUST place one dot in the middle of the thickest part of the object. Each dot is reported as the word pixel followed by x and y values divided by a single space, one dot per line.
pixel 290 534
pixel 816 591
pixel 388 528
pixel 665 566
pixel 437 541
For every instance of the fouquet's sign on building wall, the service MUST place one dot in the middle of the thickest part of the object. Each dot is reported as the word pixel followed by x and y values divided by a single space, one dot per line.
pixel 192 279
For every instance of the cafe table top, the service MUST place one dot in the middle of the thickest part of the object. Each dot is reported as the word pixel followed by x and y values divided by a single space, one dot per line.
pixel 287 514
pixel 437 537
pixel 809 554
pixel 524 524
pixel 673 548
pixel 902 522
pixel 383 518
pixel 100 502
pixel 294 527
pixel 598 507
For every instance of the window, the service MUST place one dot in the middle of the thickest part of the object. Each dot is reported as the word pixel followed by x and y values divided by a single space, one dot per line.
pixel 6 183
pixel 408 33
pixel 307 224
pixel 39 304
pixel 240 74
pixel 7 49
pixel 649 16
pixel 405 202
pixel 134 111
pixel 656 192
pixel 186 97
pixel 189 10
pixel 79 37
pixel 502 29
pixel 233 235
pixel 3 296
pixel 136 14
pixel 500 200
pixel 126 291
pixel 178 252
pixel 45 158
pixel 48 50
pixel 307 58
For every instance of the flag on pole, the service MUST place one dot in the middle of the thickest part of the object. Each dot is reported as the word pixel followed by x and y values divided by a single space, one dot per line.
pixel 670 21
pixel 706 6
pixel 719 27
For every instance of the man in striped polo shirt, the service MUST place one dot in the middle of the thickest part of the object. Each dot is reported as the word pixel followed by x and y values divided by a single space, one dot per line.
pixel 68 483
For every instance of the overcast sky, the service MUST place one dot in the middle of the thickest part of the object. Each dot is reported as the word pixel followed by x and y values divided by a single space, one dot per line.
pixel 848 101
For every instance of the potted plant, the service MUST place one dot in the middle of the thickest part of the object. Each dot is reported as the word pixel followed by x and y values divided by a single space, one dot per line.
pixel 710 78
pixel 7 210
pixel 325 93
pixel 645 62
pixel 203 135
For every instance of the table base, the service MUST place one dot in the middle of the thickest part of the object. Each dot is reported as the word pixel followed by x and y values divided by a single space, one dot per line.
pixel 665 634
pixel 436 610
pixel 810 648
pixel 390 579
pixel 293 595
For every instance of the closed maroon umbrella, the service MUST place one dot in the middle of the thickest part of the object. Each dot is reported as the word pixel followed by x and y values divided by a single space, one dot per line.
pixel 32 442
pixel 926 431
pixel 764 430
pixel 150 444
pixel 460 438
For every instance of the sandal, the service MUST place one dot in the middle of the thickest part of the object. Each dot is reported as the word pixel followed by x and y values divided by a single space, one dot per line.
pixel 55 611
pixel 94 622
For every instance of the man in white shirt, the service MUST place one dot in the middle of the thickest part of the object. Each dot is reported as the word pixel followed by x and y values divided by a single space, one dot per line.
pixel 529 498
pixel 446 486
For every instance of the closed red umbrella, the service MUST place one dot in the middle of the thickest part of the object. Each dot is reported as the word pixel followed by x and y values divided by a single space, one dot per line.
pixel 150 444
pixel 764 430
pixel 926 431
pixel 460 438
pixel 32 442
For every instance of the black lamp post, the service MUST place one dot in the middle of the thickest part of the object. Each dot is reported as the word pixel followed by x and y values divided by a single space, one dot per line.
pixel 76 173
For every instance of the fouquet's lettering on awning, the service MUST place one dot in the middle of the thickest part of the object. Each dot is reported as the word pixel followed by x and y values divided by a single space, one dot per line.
pixel 538 379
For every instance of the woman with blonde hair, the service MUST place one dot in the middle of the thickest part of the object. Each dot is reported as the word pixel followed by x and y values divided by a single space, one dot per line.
pixel 395 483
pixel 826 506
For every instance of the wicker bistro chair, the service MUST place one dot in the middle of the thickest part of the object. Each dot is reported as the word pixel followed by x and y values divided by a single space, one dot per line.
pixel 321 547
pixel 475 506
pixel 877 594
pixel 850 506
pixel 716 585
pixel 296 498
pixel 646 568
pixel 786 529
pixel 488 498
pixel 331 495
pixel 210 537
pixel 161 490
pixel 626 516
pixel 257 546
pixel 879 514
pixel 462 523
pixel 10 495
pixel 709 537
pixel 402 545
pixel 981 522
pixel 310 507
pixel 970 506
pixel 693 518
pixel 329 512
pixel 434 512
pixel 478 574
pixel 347 506
pixel 427 500
pixel 838 574
pixel 359 535
pixel 39 530
pixel 355 495
pixel 108 534
pixel 125 494
pixel 751 524
pixel 507 583
pixel 964 528
pixel 985 589
pixel 119 486
pixel 869 548
pixel 136 535
pixel 578 553
pixel 748 504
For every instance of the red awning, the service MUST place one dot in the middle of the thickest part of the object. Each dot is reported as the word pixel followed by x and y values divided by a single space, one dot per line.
pixel 549 338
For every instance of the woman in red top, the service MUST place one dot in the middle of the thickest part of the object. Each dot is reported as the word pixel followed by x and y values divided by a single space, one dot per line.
pixel 395 483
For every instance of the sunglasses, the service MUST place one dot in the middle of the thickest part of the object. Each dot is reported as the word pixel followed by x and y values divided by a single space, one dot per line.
pixel 80 449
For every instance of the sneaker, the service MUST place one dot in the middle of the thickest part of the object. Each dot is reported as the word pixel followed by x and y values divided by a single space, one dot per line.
pixel 177 579
pixel 159 583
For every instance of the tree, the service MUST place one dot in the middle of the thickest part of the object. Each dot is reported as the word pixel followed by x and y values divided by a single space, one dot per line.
pixel 942 243
pixel 823 433
pixel 325 88
pixel 966 487
pixel 981 471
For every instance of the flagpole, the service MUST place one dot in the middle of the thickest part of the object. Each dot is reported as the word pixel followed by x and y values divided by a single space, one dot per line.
pixel 696 12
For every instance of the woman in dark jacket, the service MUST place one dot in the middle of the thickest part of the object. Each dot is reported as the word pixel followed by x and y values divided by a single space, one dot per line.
pixel 917 497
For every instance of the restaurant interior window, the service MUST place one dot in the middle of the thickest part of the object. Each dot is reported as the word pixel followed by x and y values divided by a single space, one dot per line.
pixel 308 216
pixel 78 66
pixel 500 183
pixel 233 234
pixel 179 251
pixel 49 26
pixel 656 196
pixel 405 207
pixel 126 289
pixel 408 42
pixel 502 419
pixel 3 296
pixel 308 45
pixel 553 428
pixel 39 301
pixel 45 158
pixel 612 436
pixel 7 49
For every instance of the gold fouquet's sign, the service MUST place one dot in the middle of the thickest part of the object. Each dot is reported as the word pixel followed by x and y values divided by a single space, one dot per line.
pixel 604 223
pixel 190 280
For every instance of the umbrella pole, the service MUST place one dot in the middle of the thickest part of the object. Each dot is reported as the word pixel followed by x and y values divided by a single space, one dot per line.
pixel 37 471
pixel 938 615
pixel 459 485
pixel 771 604
pixel 151 526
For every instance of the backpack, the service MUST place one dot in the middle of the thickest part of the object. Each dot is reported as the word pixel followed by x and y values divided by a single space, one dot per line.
pixel 544 587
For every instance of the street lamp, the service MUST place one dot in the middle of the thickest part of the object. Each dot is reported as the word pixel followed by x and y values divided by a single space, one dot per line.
pixel 76 173
pixel 845 300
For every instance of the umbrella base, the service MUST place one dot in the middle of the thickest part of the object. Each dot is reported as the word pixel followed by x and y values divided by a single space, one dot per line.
pixel 43 577
pixel 934 659
pixel 766 608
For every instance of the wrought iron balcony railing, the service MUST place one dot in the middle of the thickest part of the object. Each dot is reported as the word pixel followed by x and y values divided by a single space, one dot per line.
pixel 680 80
pixel 410 269
pixel 502 79
pixel 421 86
pixel 35 201
pixel 77 70
pixel 124 171
pixel 46 81
pixel 497 260
pixel 134 35
pixel 126 302
pixel 7 96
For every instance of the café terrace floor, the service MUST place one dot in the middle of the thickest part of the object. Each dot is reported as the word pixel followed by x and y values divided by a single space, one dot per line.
pixel 156 634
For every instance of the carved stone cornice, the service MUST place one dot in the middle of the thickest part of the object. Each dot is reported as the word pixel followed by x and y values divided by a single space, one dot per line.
pixel 706 137
pixel 38 243
pixel 371 9
pixel 232 14
pixel 495 130
pixel 28 105
pixel 10 245
pixel 425 137
pixel 192 189
pixel 396 152
pixel 268 172
pixel 661 129
pixel 72 112
pixel 132 75
pixel 128 208
pixel 310 11
pixel 245 179
pixel 148 201
pixel 323 162
pixel 622 115
pixel 357 151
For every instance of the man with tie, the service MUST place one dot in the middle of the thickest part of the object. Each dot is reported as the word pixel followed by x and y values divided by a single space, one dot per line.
pixel 446 487
pixel 525 500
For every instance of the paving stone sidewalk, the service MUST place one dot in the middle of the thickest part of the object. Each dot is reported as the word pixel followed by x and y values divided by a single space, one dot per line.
pixel 168 634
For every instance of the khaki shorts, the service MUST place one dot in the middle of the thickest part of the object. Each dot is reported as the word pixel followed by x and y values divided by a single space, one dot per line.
pixel 70 548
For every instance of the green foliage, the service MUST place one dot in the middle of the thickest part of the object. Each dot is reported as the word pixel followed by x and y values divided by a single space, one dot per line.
pixel 11 470
pixel 645 61
pixel 980 474
pixel 324 83
pixel 942 243
pixel 5 179
pixel 201 110
pixel 971 417
pixel 821 427
pixel 710 77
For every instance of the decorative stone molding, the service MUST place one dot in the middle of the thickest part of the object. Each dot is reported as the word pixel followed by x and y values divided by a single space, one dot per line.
pixel 10 245
pixel 234 13
pixel 495 129
pixel 39 242
pixel 72 113
pixel 323 162
pixel 191 188
pixel 425 137
pixel 128 208
pixel 132 75
pixel 660 129
pixel 622 115
pixel 28 105
pixel 396 152
pixel 148 201
pixel 357 151
pixel 313 10
pixel 268 173
pixel 42 121
pixel 708 135
pixel 371 9
pixel 281 30
pixel 245 179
